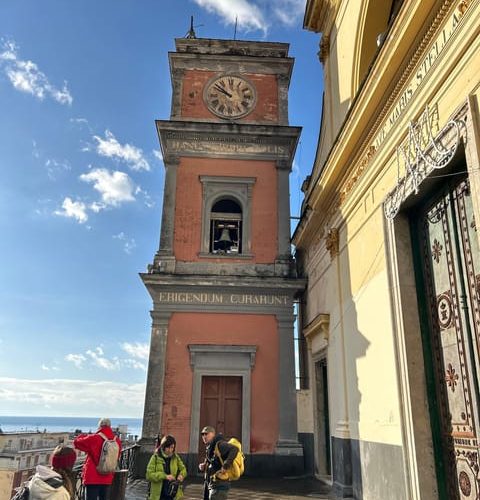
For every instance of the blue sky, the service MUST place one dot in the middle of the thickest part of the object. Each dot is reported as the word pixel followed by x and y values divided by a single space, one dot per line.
pixel 81 184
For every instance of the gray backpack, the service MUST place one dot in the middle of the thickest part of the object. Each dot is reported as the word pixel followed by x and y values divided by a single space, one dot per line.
pixel 108 456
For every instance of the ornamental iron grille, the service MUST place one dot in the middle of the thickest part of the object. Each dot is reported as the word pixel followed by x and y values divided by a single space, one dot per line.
pixel 450 271
pixel 420 154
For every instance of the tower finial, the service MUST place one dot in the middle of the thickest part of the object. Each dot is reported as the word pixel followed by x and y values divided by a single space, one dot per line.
pixel 191 31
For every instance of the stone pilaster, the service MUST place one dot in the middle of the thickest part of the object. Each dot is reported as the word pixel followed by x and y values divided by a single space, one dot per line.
pixel 287 400
pixel 152 416
pixel 164 259
pixel 283 83
pixel 282 264
pixel 472 149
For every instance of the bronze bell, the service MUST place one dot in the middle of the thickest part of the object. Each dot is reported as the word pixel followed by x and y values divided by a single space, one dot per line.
pixel 225 236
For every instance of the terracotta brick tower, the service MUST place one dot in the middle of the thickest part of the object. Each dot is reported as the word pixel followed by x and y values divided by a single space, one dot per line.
pixel 222 281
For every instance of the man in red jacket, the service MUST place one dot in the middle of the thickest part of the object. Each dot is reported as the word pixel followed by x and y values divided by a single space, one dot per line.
pixel 96 485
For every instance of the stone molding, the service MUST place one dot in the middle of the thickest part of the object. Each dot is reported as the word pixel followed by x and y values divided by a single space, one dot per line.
pixel 230 48
pixel 360 166
pixel 238 188
pixel 233 140
pixel 320 15
pixel 324 48
pixel 370 150
pixel 199 349
pixel 332 242
pixel 319 326
pixel 221 360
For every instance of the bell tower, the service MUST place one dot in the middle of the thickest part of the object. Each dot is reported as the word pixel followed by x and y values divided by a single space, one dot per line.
pixel 223 280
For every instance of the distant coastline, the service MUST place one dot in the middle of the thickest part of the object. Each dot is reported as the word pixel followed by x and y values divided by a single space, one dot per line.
pixel 64 424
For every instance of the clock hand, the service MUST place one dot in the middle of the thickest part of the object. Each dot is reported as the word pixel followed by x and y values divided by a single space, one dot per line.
pixel 220 89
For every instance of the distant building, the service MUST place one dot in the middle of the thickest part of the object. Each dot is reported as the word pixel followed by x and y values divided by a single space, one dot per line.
pixel 21 452
pixel 389 242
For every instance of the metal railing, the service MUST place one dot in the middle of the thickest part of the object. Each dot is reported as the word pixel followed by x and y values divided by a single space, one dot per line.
pixel 125 473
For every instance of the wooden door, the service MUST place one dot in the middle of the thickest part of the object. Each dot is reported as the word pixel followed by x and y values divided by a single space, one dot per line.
pixel 221 407
pixel 448 283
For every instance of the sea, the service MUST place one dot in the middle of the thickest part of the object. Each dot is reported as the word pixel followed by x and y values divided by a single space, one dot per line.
pixel 65 424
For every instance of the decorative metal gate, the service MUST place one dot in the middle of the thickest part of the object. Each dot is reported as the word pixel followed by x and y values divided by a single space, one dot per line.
pixel 449 294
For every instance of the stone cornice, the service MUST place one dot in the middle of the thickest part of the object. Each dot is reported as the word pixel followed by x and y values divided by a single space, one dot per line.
pixel 228 140
pixel 320 325
pixel 207 62
pixel 232 47
pixel 171 293
pixel 320 15
pixel 214 283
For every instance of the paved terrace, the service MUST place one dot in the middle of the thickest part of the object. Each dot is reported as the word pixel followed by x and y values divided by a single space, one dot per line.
pixel 248 488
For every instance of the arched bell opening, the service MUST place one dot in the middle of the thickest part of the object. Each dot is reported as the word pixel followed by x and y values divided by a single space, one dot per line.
pixel 226 219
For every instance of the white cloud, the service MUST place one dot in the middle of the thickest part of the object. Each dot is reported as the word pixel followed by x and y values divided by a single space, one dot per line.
pixel 249 15
pixel 98 359
pixel 97 207
pixel 50 368
pixel 25 76
pixel 80 121
pixel 55 167
pixel 289 12
pixel 254 15
pixel 73 209
pixel 136 350
pixel 76 359
pixel 129 244
pixel 35 150
pixel 71 397
pixel 147 199
pixel 115 187
pixel 111 148
pixel 158 154
pixel 135 364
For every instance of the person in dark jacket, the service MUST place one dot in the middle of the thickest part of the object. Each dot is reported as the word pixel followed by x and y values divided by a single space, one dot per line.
pixel 97 485
pixel 217 447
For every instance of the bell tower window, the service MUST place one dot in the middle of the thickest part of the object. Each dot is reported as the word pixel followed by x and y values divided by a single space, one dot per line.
pixel 226 215
pixel 226 228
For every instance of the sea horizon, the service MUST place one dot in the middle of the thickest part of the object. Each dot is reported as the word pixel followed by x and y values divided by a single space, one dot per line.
pixel 38 423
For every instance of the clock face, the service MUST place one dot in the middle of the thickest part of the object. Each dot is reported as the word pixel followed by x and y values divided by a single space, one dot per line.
pixel 230 96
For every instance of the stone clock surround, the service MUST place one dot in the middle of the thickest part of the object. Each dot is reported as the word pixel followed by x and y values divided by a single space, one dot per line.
pixel 264 58
pixel 214 81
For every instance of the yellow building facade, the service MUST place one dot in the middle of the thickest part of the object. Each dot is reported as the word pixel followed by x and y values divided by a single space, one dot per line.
pixel 389 244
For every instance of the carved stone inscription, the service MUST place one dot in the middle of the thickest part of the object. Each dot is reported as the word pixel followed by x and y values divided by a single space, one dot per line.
pixel 227 299
pixel 422 69
pixel 227 148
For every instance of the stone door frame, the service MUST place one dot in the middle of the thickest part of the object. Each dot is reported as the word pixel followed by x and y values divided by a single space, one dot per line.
pixel 224 361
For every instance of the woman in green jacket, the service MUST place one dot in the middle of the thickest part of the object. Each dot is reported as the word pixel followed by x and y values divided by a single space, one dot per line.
pixel 164 467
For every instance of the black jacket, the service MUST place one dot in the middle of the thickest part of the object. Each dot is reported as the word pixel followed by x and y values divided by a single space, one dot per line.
pixel 227 451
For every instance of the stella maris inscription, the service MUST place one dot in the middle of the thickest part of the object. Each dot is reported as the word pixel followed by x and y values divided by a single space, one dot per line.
pixel 227 299
pixel 422 70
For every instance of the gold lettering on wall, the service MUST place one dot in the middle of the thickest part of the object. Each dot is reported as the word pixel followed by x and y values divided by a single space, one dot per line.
pixel 223 298
pixel 422 70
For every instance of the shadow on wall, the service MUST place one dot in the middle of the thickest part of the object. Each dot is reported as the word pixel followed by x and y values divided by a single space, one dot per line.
pixel 346 452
